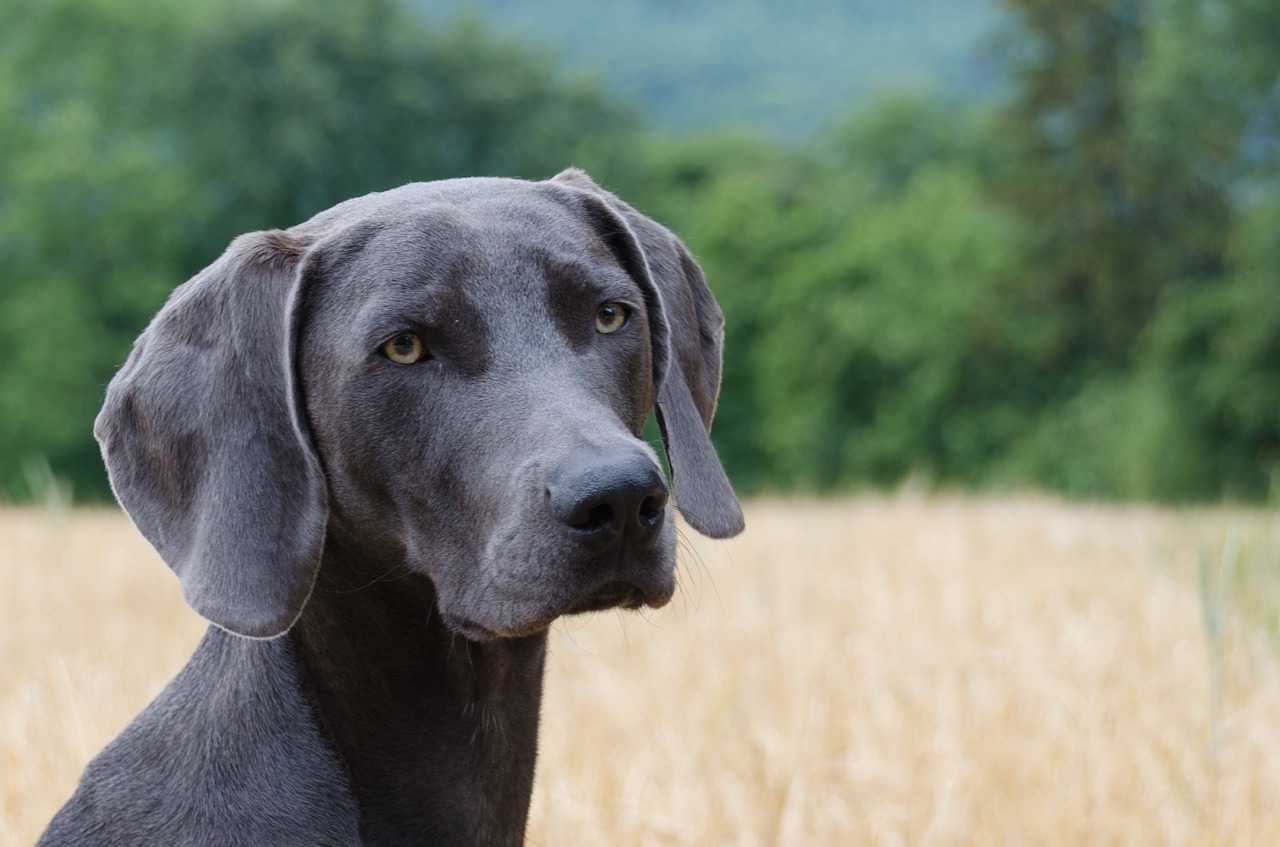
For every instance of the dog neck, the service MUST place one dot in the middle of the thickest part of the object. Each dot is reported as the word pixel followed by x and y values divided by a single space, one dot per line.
pixel 439 734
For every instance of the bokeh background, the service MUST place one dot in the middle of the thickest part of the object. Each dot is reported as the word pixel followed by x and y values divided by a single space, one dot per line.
pixel 1028 243
pixel 998 246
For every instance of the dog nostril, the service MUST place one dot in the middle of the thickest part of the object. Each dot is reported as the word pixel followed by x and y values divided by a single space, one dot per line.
pixel 599 517
pixel 651 510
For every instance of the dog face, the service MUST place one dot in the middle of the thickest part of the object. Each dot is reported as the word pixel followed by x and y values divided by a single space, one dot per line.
pixel 452 377
pixel 468 388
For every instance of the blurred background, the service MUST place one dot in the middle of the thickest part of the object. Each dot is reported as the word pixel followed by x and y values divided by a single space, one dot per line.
pixel 985 245
pixel 1028 243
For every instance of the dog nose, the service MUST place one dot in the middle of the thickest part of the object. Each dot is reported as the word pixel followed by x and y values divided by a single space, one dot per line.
pixel 603 501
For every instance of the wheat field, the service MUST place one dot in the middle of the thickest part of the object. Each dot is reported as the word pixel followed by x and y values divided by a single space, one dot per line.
pixel 904 670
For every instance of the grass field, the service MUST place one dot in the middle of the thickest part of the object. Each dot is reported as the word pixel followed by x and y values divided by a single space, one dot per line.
pixel 882 671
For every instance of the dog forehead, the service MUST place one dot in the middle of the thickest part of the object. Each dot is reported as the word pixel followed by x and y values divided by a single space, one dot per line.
pixel 483 225
pixel 508 255
pixel 517 204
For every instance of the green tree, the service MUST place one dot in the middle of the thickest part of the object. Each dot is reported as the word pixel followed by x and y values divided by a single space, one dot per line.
pixel 140 137
pixel 900 346
pixel 874 322
pixel 1098 215
pixel 747 208
pixel 1143 151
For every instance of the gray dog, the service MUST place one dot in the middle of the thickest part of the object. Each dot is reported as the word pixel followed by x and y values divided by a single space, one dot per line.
pixel 383 451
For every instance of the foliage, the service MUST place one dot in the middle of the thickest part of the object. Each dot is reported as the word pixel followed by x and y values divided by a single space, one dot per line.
pixel 1075 288
pixel 1144 139
pixel 139 138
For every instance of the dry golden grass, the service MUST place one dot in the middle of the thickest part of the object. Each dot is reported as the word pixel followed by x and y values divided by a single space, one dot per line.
pixel 902 671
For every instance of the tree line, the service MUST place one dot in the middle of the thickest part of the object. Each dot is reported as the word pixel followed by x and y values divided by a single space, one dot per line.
pixel 1076 287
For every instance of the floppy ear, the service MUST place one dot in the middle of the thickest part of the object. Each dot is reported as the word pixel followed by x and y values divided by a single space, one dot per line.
pixel 687 328
pixel 205 445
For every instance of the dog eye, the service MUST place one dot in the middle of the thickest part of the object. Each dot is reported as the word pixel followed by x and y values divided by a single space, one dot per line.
pixel 405 349
pixel 611 317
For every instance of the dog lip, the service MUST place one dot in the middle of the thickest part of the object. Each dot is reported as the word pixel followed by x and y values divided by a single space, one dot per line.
pixel 660 597
pixel 617 594
pixel 620 594
pixel 609 596
pixel 470 628
pixel 474 630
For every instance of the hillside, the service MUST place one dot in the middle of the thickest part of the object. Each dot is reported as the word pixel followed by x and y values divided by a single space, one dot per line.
pixel 787 68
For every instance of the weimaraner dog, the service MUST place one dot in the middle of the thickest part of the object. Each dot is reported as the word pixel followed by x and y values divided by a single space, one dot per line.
pixel 383 451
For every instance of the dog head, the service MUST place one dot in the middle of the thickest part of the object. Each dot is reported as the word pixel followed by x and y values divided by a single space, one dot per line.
pixel 453 376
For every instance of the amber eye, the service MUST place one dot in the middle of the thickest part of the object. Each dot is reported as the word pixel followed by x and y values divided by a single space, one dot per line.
pixel 611 317
pixel 405 349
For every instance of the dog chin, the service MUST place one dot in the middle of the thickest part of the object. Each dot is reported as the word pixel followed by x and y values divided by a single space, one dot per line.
pixel 621 594
pixel 473 630
pixel 618 594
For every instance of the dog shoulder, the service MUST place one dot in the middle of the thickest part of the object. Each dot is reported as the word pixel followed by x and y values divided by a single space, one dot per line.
pixel 228 754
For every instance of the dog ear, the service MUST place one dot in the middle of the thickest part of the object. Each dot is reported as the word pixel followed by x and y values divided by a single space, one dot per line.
pixel 687 328
pixel 205 444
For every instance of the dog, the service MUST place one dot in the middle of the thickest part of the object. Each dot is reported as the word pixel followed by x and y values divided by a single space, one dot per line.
pixel 383 451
